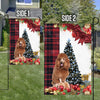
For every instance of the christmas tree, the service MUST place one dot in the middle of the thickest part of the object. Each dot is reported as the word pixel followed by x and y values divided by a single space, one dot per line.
pixel 74 73
pixel 28 50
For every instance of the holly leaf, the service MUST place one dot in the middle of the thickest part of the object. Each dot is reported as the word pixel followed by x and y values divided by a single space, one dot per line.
pixel 65 28
pixel 65 91
pixel 59 93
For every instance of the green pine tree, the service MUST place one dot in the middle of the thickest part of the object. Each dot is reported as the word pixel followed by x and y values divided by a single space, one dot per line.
pixel 28 50
pixel 74 73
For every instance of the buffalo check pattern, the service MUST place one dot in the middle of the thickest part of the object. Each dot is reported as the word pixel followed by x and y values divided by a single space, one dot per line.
pixel 14 35
pixel 51 50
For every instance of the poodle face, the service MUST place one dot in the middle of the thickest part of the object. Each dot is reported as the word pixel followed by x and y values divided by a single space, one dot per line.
pixel 21 43
pixel 62 61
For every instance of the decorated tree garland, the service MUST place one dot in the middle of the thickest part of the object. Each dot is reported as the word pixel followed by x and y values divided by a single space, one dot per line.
pixel 83 36
pixel 33 25
pixel 87 28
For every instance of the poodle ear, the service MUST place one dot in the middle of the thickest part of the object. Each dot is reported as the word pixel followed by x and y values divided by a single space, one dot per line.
pixel 57 63
pixel 17 45
pixel 24 45
pixel 68 63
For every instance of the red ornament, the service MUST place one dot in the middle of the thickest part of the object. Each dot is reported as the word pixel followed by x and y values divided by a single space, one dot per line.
pixel 15 60
pixel 78 93
pixel 63 25
pixel 63 93
pixel 37 62
pixel 78 89
pixel 78 34
pixel 89 88
pixel 55 88
pixel 87 28
pixel 25 61
pixel 61 88
pixel 21 63
pixel 68 90
pixel 85 89
pixel 33 27
pixel 31 60
pixel 75 87
pixel 37 21
pixel 20 60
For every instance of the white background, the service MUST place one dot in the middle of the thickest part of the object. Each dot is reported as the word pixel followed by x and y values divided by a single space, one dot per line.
pixel 82 52
pixel 34 37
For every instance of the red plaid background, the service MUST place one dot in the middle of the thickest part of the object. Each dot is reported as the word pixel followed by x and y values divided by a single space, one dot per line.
pixel 14 35
pixel 51 51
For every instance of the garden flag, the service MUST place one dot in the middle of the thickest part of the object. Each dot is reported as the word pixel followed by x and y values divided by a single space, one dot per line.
pixel 24 41
pixel 70 40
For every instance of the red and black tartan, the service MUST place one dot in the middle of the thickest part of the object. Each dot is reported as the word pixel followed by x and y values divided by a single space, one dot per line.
pixel 51 51
pixel 14 35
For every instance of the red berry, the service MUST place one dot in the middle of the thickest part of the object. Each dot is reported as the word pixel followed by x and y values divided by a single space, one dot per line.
pixel 78 89
pixel 38 62
pixel 55 88
pixel 37 22
pixel 63 25
pixel 61 88
pixel 21 63
pixel 38 59
pixel 31 60
pixel 89 87
pixel 78 85
pixel 75 87
pixel 78 93
pixel 25 61
pixel 20 60
pixel 15 60
pixel 34 61
pixel 68 90
pixel 85 89
pixel 63 93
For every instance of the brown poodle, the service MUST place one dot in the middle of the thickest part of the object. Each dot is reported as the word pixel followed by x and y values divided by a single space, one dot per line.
pixel 61 70
pixel 20 48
